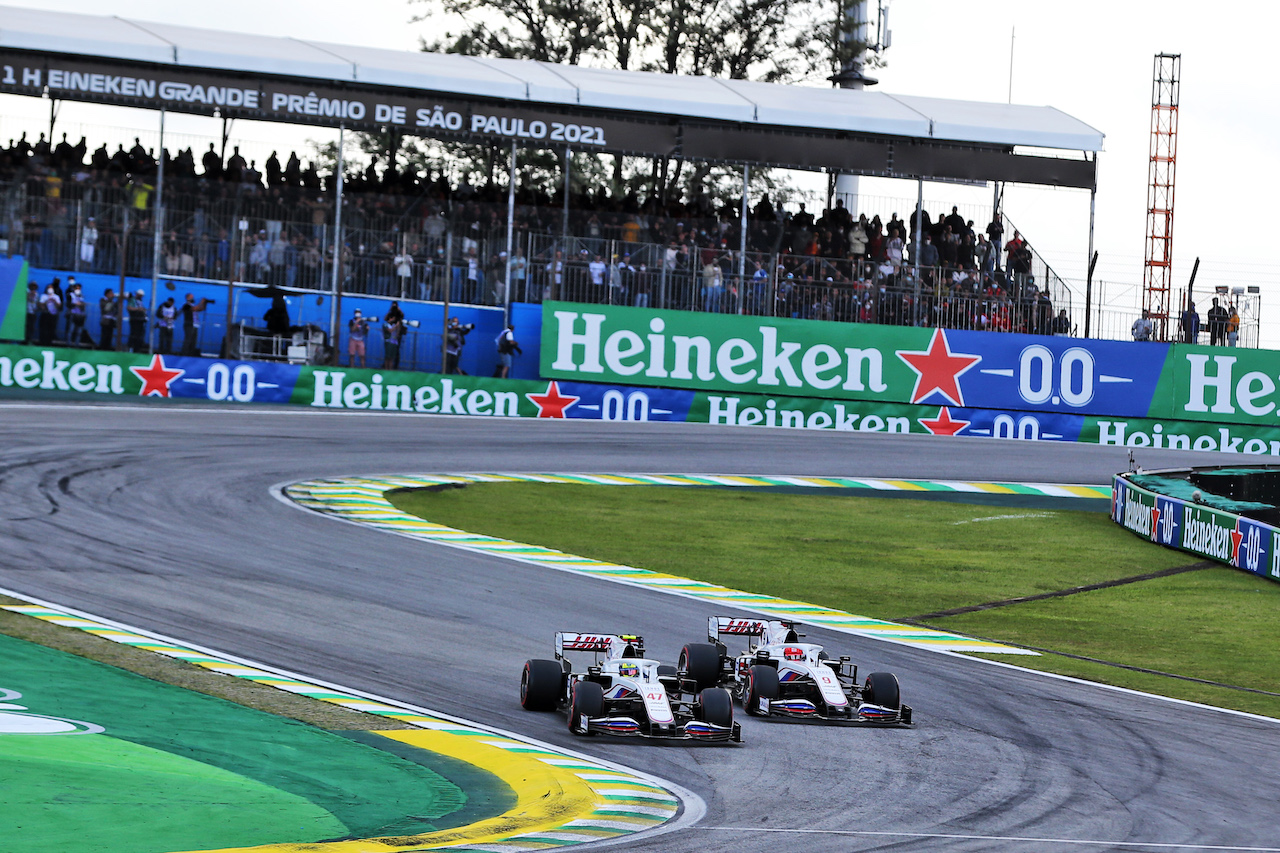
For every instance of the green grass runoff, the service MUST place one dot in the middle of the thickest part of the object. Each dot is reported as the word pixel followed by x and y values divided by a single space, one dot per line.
pixel 902 559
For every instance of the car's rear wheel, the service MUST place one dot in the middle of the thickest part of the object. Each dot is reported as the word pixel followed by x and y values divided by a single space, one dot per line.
pixel 762 683
pixel 881 689
pixel 588 701
pixel 540 685
pixel 717 706
pixel 702 662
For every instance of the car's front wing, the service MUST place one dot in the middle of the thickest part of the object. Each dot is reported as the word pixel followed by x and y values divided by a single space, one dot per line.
pixel 693 730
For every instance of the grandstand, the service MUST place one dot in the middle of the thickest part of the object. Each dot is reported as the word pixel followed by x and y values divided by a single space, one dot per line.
pixel 415 236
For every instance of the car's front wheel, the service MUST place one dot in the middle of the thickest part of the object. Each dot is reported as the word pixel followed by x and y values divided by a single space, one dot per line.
pixel 587 701
pixel 762 683
pixel 716 707
pixel 881 689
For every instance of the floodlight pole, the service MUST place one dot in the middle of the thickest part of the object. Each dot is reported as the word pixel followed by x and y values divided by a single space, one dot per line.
pixel 159 223
pixel 742 250
pixel 511 225
pixel 564 224
pixel 915 256
pixel 1093 256
pixel 337 249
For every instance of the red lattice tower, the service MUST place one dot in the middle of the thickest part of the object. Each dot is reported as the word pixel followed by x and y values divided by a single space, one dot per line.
pixel 1157 277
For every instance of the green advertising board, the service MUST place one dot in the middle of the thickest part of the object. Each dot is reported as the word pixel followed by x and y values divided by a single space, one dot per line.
pixel 682 349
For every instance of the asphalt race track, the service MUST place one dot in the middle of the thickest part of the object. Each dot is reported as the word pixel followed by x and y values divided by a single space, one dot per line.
pixel 163 518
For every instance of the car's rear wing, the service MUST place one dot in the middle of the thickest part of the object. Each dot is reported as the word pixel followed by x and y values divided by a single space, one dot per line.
pixel 718 626
pixel 600 644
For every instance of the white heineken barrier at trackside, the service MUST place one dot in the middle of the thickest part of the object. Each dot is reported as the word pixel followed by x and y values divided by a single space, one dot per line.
pixel 1190 526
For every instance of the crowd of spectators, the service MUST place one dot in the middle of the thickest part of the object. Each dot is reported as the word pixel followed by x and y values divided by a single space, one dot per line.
pixel 412 235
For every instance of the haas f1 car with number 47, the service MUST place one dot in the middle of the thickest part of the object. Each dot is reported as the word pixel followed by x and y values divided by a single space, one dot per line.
pixel 626 694
pixel 779 675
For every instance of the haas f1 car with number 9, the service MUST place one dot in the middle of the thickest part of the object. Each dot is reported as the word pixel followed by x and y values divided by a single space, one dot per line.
pixel 626 694
pixel 778 675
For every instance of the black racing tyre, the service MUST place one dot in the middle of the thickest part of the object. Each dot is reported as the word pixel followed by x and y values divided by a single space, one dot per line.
pixel 666 670
pixel 882 689
pixel 540 685
pixel 716 706
pixel 702 662
pixel 588 699
pixel 762 683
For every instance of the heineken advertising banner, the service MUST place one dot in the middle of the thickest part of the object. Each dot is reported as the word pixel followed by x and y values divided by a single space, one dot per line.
pixel 28 371
pixel 1115 381
pixel 1217 535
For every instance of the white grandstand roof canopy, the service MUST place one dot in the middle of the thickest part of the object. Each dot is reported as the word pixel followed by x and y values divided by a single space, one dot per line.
pixel 721 104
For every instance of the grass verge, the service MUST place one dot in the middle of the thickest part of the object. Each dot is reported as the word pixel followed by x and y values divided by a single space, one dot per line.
pixel 1200 633
pixel 261 697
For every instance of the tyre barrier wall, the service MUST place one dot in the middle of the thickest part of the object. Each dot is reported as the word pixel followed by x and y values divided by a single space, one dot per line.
pixel 1193 524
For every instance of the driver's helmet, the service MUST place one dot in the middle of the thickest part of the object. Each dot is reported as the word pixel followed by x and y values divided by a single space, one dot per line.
pixel 629 670
pixel 793 653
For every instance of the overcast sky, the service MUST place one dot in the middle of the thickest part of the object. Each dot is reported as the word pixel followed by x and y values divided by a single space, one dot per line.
pixel 1091 59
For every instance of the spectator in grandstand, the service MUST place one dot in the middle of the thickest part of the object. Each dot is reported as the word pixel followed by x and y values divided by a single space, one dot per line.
pixel 517 273
pixel 357 331
pixel 1061 324
pixel 554 287
pixel 929 254
pixel 1190 324
pixel 1011 248
pixel 1217 322
pixel 995 233
pixel 599 278
pixel 88 243
pixel 1233 326
pixel 893 248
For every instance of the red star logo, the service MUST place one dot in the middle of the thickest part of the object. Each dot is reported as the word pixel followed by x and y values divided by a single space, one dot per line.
pixel 943 424
pixel 1155 522
pixel 552 404
pixel 156 378
pixel 937 369
pixel 1237 536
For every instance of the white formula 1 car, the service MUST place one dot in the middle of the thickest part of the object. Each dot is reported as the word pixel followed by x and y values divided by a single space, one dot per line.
pixel 778 675
pixel 624 693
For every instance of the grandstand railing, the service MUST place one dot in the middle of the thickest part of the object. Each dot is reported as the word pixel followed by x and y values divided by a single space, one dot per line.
pixel 454 246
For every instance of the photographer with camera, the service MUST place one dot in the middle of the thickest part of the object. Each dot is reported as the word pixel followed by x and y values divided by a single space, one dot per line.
pixel 357 332
pixel 507 346
pixel 392 334
pixel 455 340
pixel 190 326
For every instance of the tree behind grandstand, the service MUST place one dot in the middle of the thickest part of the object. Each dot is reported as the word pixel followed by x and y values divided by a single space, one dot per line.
pixel 782 41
